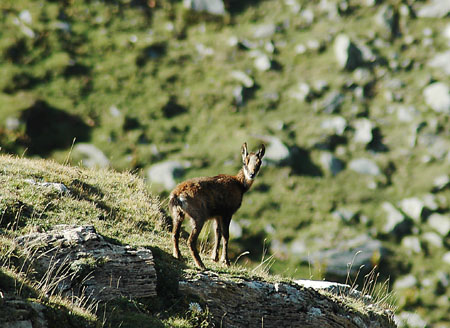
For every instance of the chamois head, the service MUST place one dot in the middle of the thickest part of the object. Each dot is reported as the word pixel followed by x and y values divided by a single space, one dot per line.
pixel 252 162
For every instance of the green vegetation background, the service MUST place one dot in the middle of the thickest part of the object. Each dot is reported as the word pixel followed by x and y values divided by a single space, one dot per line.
pixel 89 58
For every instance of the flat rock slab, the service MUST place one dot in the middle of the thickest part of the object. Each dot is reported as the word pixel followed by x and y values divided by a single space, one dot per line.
pixel 79 261
pixel 238 302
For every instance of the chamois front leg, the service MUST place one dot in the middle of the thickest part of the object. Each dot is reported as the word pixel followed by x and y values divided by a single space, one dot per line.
pixel 225 225
pixel 192 242
pixel 218 237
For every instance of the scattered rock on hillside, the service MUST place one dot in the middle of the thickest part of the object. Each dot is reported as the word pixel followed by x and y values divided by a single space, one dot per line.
pixel 412 244
pixel 243 78
pixel 87 265
pixel 336 124
pixel 261 61
pixel 277 153
pixel 409 320
pixel 412 207
pixel 395 221
pixel 360 252
pixel 441 182
pixel 302 92
pixel 440 223
pixel 347 54
pixel 434 9
pixel 363 131
pixel 432 238
pixel 364 166
pixel 387 18
pixel 264 31
pixel 437 96
pixel 331 163
pixel 166 172
pixel 214 7
pixel 405 282
pixel 441 61
pixel 89 155
pixel 332 103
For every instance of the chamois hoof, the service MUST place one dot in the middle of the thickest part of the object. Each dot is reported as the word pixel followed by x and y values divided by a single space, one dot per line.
pixel 200 266
pixel 215 258
pixel 225 262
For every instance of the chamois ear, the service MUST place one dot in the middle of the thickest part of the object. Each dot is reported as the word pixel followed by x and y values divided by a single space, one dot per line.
pixel 244 151
pixel 261 151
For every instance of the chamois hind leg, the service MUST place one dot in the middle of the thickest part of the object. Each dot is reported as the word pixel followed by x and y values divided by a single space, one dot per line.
pixel 192 242
pixel 218 237
pixel 225 225
pixel 177 217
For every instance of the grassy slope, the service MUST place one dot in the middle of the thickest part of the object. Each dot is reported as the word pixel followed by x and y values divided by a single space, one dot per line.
pixel 121 208
pixel 102 61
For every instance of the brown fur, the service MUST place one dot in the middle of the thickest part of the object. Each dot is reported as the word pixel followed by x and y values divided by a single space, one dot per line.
pixel 217 198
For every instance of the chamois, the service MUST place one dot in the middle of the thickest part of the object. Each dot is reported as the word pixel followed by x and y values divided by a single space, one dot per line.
pixel 217 198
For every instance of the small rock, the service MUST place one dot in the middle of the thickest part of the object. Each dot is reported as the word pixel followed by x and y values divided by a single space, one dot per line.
pixel 203 50
pixel 235 229
pixel 114 111
pixel 279 249
pixel 434 9
pixel 405 282
pixel 165 173
pixel 60 187
pixel 331 163
pixel 264 31
pixel 347 54
pixel 276 151
pixel 308 16
pixel 441 182
pixel 437 96
pixel 387 19
pixel 364 166
pixel 301 92
pixel 406 113
pixel 238 95
pixel 412 243
pixel 429 202
pixel 214 7
pixel 300 49
pixel 363 131
pixel 433 238
pixel 332 102
pixel 298 247
pixel 440 223
pixel 410 320
pixel 441 61
pixel 12 123
pixel 395 220
pixel 243 78
pixel 412 207
pixel 25 16
pixel 262 62
pixel 336 124
pixel 446 258
pixel 358 252
pixel 343 214
pixel 362 76
pixel 90 155
pixel 446 32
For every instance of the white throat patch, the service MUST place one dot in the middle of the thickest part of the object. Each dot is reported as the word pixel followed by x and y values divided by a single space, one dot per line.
pixel 246 174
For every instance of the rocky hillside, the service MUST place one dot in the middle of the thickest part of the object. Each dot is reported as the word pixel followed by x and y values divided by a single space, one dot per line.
pixel 57 269
pixel 351 98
